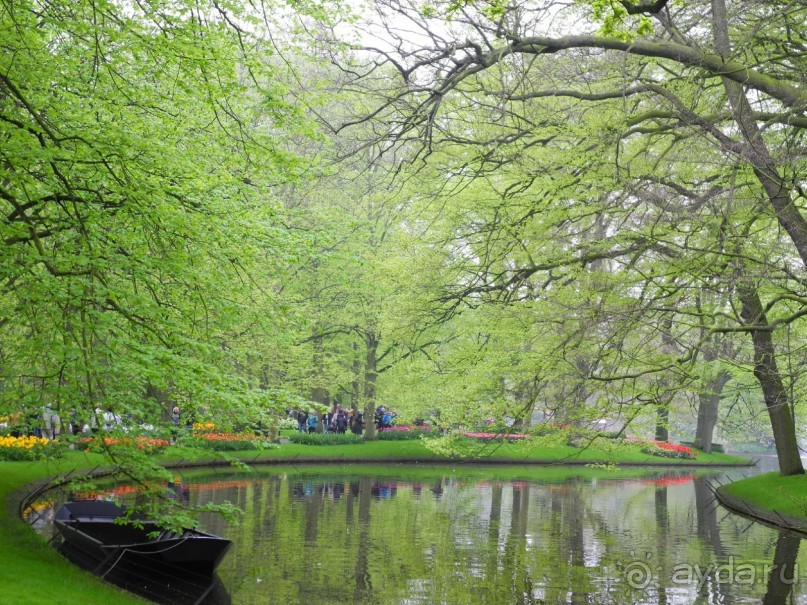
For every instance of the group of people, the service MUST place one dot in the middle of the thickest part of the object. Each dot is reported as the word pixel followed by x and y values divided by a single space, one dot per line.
pixel 384 418
pixel 47 422
pixel 337 420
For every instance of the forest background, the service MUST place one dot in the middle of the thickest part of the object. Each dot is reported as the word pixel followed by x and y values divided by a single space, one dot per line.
pixel 477 213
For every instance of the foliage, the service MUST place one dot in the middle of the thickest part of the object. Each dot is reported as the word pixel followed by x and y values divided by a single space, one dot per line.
pixel 141 235
pixel 325 438
pixel 406 432
pixel 599 205
pixel 496 436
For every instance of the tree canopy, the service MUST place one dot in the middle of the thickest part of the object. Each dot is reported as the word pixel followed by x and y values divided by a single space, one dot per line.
pixel 470 211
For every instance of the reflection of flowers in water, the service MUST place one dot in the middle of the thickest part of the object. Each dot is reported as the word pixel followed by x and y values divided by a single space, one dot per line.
pixel 39 514
pixel 670 480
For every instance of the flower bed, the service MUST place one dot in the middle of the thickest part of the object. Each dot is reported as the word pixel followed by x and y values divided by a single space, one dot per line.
pixel 149 444
pixel 665 449
pixel 22 448
pixel 202 427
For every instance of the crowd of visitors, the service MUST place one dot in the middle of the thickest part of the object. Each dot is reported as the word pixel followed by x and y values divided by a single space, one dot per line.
pixel 339 420
pixel 47 422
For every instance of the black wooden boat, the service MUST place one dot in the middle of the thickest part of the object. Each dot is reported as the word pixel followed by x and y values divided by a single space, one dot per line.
pixel 94 529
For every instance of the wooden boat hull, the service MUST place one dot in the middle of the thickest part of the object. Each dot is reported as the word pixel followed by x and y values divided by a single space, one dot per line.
pixel 91 527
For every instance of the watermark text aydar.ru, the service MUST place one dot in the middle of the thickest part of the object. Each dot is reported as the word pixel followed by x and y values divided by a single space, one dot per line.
pixel 639 575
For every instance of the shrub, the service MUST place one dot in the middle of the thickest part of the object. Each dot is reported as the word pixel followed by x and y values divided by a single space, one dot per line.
pixel 229 442
pixel 547 428
pixel 406 432
pixel 325 438
pixel 496 436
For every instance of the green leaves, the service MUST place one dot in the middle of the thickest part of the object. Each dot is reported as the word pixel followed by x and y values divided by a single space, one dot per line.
pixel 140 146
pixel 617 22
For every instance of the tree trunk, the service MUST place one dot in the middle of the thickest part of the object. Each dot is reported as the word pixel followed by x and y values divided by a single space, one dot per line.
pixel 370 375
pixel 665 393
pixel 773 389
pixel 708 405
pixel 663 422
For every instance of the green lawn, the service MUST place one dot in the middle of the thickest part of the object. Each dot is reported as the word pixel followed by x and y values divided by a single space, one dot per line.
pixel 772 496
pixel 32 573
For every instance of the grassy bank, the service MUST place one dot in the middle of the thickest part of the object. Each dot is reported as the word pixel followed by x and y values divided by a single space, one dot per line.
pixel 31 572
pixel 771 497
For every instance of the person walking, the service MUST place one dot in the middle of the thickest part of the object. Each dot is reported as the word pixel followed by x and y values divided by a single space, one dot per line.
pixel 176 423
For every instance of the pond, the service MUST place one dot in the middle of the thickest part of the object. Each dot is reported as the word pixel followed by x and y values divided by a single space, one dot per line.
pixel 441 534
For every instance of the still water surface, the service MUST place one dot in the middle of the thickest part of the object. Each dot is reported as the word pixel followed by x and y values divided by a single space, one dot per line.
pixel 404 535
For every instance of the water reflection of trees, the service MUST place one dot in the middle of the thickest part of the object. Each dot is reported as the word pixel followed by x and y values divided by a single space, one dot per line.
pixel 365 539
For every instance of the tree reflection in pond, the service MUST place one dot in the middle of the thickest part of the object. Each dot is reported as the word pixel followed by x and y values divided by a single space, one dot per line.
pixel 439 535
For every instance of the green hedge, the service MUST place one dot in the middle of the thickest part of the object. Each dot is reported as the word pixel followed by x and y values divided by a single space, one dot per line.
pixel 232 444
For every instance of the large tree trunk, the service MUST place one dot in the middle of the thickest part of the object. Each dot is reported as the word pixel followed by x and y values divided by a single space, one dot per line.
pixel 708 404
pixel 773 388
pixel 370 375
pixel 663 422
